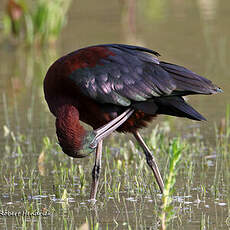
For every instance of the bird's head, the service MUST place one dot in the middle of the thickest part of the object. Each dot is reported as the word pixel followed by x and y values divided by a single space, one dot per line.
pixel 74 140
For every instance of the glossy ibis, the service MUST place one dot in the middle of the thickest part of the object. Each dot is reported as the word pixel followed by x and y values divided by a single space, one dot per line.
pixel 116 87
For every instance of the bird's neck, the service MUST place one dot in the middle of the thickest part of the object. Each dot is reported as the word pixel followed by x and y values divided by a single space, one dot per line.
pixel 69 131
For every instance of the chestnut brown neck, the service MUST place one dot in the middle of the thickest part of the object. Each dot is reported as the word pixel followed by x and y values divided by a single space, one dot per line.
pixel 69 131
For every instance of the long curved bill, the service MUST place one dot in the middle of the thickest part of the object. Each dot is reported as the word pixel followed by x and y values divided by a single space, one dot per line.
pixel 108 128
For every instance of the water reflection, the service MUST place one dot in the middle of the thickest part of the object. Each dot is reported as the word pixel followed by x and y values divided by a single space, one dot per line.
pixel 21 83
pixel 129 23
pixel 208 9
pixel 154 10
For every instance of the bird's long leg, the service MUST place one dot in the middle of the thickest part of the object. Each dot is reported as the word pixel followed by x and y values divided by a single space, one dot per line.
pixel 150 160
pixel 96 171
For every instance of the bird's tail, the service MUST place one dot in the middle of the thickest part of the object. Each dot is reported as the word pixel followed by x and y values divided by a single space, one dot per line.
pixel 176 106
pixel 188 82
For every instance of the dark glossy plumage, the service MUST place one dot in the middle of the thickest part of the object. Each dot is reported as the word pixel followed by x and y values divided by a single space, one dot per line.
pixel 112 77
pixel 116 87
pixel 133 74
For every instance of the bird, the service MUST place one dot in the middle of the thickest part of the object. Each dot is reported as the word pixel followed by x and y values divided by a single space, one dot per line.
pixel 116 87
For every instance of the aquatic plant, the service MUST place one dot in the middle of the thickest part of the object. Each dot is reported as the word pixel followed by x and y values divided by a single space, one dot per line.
pixel 39 22
pixel 175 149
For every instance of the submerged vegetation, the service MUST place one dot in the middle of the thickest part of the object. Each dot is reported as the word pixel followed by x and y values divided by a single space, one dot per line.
pixel 36 22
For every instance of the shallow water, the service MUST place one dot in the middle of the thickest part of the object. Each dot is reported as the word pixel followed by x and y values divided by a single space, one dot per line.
pixel 191 33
